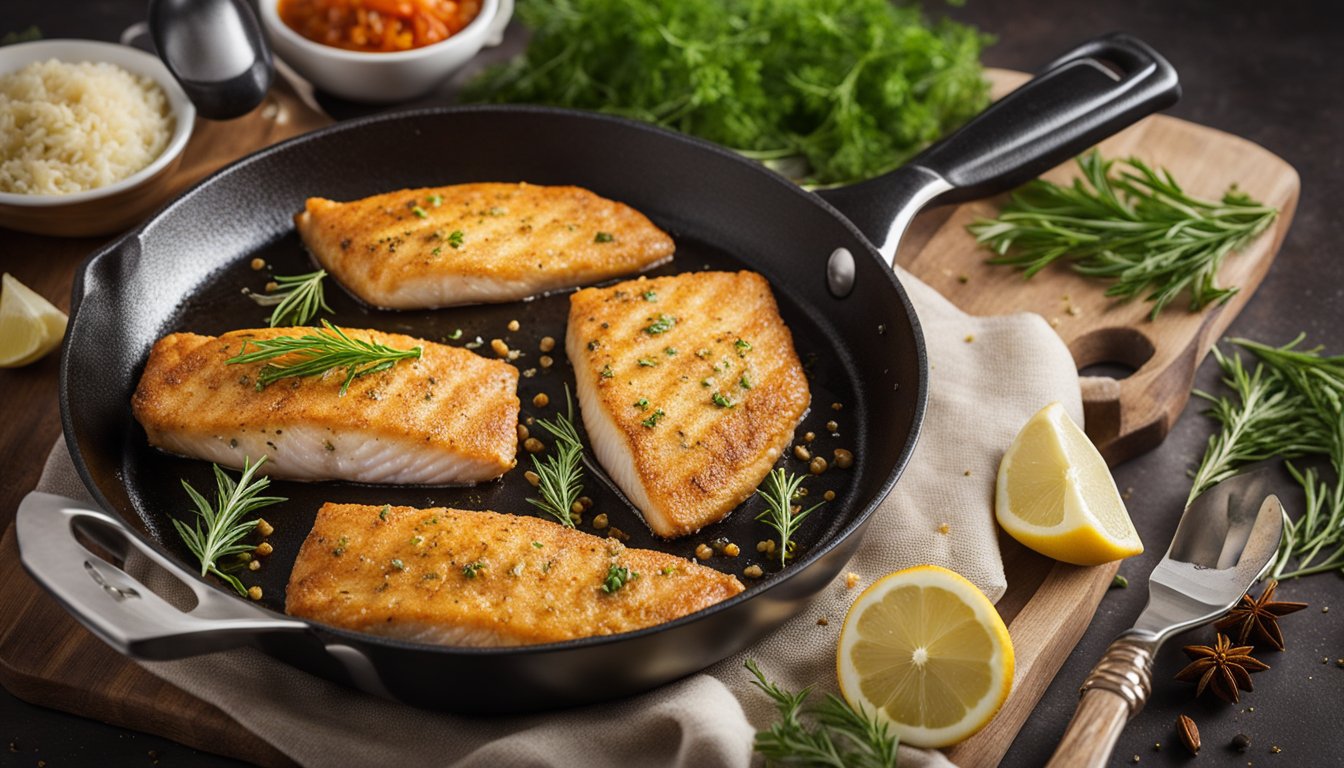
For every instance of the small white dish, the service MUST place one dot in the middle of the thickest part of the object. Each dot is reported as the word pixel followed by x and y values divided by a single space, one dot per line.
pixel 384 78
pixel 114 207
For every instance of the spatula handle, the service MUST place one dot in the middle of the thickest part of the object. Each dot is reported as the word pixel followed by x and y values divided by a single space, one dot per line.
pixel 1115 691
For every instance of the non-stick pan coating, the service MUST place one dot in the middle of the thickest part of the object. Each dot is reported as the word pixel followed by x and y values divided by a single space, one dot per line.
pixel 185 271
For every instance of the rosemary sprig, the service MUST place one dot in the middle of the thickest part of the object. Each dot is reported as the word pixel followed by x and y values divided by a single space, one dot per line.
pixel 1138 229
pixel 297 298
pixel 1287 406
pixel 224 527
pixel 840 738
pixel 779 491
pixel 560 473
pixel 316 353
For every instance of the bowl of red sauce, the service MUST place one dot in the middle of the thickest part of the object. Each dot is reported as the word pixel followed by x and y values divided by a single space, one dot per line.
pixel 381 51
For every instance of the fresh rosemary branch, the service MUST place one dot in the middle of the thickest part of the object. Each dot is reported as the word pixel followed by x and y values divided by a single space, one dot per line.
pixel 560 473
pixel 840 738
pixel 1138 229
pixel 1287 406
pixel 297 298
pixel 779 491
pixel 224 525
pixel 316 353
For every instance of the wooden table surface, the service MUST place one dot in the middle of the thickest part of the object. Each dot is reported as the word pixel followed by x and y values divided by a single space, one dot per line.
pixel 1264 71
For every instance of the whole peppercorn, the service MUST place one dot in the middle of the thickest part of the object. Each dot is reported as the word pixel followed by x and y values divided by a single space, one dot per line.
pixel 1241 742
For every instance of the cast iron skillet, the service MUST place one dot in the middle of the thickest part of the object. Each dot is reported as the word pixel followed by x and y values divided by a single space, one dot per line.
pixel 851 320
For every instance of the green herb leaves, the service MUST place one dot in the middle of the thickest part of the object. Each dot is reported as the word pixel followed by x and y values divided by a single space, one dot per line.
pixel 560 473
pixel 839 737
pixel 779 491
pixel 1138 229
pixel 296 298
pixel 224 527
pixel 877 83
pixel 1288 406
pixel 617 576
pixel 662 324
pixel 316 353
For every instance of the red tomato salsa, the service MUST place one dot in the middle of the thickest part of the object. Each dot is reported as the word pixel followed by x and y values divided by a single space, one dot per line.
pixel 378 25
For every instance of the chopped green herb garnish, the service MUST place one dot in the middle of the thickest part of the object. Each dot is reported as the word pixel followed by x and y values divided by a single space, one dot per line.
pixel 603 237
pixel 607 372
pixel 617 576
pixel 456 334
pixel 645 362
pixel 340 547
pixel 455 238
pixel 435 200
pixel 668 570
pixel 537 544
pixel 706 382
pixel 722 401
pixel 650 295
pixel 663 324
pixel 669 351
pixel 744 382
pixel 382 513
pixel 743 347
pixel 471 570
pixel 654 418
pixel 396 563
pixel 419 212
pixel 642 404
pixel 437 250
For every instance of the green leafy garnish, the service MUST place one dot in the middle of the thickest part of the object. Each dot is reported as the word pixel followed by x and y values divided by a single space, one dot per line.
pixel 839 736
pixel 318 352
pixel 297 298
pixel 663 324
pixel 829 91
pixel 642 404
pixel 654 418
pixel 721 401
pixel 472 569
pixel 224 527
pixel 779 491
pixel 560 473
pixel 1138 229
pixel 1287 406
pixel 617 576
pixel 603 237
pixel 420 213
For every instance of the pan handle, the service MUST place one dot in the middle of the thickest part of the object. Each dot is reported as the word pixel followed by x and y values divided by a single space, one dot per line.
pixel 117 607
pixel 1089 93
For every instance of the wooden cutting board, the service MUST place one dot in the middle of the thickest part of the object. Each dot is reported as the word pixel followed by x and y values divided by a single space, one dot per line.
pixel 49 659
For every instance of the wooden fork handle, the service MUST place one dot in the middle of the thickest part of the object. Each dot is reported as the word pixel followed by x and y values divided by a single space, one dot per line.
pixel 1115 691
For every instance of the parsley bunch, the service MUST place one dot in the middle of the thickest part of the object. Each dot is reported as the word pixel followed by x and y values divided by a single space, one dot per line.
pixel 828 91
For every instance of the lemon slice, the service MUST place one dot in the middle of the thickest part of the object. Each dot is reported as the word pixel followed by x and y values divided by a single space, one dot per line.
pixel 927 651
pixel 1056 495
pixel 30 326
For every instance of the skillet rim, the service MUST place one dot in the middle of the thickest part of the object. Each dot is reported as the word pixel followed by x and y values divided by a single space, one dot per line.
pixel 115 248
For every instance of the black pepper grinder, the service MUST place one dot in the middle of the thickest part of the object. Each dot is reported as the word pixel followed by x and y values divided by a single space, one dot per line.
pixel 216 51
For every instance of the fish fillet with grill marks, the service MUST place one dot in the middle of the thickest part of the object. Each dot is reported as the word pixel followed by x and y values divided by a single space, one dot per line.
pixel 477 243
pixel 447 418
pixel 690 388
pixel 455 577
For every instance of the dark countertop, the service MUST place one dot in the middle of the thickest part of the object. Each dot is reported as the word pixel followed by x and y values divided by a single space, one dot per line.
pixel 1265 71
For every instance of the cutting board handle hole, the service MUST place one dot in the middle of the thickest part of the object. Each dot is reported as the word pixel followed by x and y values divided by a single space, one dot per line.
pixel 1117 353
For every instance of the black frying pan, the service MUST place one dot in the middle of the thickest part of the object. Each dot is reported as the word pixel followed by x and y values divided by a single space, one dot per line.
pixel 852 323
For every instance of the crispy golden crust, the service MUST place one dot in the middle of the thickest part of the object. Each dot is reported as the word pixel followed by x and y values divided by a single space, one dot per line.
pixel 403 572
pixel 399 250
pixel 700 459
pixel 449 417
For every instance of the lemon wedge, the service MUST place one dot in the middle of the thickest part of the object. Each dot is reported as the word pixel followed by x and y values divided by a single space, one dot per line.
pixel 927 651
pixel 30 326
pixel 1056 495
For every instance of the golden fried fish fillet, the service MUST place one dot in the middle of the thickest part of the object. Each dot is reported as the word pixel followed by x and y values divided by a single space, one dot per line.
pixel 456 577
pixel 476 243
pixel 449 417
pixel 689 387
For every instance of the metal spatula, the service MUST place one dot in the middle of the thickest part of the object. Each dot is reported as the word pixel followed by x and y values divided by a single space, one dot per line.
pixel 1224 542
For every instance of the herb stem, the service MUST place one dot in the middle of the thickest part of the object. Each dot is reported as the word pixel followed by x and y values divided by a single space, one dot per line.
pixel 224 527
pixel 316 353
pixel 560 474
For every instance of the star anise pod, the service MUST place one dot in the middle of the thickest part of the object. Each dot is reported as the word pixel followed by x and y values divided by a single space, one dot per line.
pixel 1257 621
pixel 1223 668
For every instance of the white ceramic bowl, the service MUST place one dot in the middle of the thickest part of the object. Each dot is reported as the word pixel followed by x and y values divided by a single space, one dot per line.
pixel 114 207
pixel 384 77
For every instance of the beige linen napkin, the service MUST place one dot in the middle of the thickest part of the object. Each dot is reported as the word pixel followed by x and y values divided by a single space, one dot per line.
pixel 987 377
